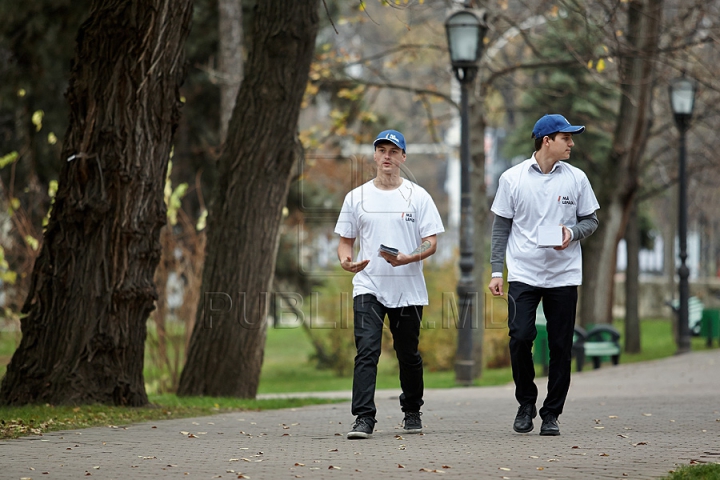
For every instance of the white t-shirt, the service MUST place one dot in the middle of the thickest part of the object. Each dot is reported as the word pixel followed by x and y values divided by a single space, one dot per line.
pixel 398 218
pixel 531 199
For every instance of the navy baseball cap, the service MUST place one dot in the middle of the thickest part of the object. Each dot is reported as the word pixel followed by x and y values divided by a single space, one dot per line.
pixel 554 123
pixel 392 136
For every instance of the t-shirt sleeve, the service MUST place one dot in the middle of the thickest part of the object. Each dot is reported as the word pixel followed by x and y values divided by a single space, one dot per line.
pixel 587 203
pixel 430 220
pixel 503 203
pixel 346 225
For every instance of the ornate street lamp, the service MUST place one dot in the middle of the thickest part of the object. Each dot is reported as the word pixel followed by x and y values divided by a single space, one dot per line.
pixel 682 100
pixel 465 33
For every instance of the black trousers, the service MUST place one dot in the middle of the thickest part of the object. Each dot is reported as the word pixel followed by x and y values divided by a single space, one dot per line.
pixel 559 305
pixel 405 328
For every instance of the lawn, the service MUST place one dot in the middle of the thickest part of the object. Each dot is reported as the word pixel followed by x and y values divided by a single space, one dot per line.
pixel 286 367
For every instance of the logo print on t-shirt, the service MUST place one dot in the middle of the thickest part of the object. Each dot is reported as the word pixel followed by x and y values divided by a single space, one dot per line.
pixel 408 217
pixel 565 200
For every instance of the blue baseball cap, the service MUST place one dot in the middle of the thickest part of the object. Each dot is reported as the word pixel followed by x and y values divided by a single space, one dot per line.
pixel 392 136
pixel 554 123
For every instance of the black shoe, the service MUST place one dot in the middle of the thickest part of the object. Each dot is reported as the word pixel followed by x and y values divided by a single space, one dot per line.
pixel 412 422
pixel 362 428
pixel 524 418
pixel 550 425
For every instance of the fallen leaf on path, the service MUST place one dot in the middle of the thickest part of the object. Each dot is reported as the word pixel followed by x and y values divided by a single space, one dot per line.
pixel 604 455
pixel 639 443
pixel 622 436
pixel 298 464
pixel 647 414
pixel 401 466
pixel 446 466
pixel 333 467
pixel 504 469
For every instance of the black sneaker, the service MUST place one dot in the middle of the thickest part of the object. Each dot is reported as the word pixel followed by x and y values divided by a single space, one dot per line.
pixel 524 418
pixel 550 425
pixel 412 422
pixel 362 428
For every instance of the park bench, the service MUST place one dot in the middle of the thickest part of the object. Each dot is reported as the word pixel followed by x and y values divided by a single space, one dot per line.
pixel 601 341
pixel 695 313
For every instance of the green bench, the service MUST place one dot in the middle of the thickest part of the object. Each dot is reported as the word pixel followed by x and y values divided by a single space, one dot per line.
pixel 596 344
pixel 695 313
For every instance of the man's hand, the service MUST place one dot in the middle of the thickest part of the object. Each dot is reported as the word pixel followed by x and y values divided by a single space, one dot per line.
pixel 397 260
pixel 353 267
pixel 566 239
pixel 496 286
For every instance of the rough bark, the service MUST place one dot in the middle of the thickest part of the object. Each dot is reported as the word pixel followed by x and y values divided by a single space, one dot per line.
pixel 632 282
pixel 230 59
pixel 620 180
pixel 227 344
pixel 92 285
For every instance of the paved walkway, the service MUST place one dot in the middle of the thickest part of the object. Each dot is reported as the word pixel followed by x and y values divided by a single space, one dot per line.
pixel 631 421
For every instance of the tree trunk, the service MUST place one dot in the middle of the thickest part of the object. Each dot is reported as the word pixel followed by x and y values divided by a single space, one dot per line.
pixel 230 33
pixel 620 180
pixel 227 344
pixel 632 282
pixel 92 286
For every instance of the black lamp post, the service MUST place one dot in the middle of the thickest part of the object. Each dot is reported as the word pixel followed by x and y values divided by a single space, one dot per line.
pixel 682 100
pixel 465 33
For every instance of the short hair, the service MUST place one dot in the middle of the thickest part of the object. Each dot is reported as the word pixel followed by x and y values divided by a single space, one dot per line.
pixel 538 141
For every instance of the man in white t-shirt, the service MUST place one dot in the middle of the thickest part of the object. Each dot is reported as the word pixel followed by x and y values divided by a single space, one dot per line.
pixel 400 216
pixel 546 192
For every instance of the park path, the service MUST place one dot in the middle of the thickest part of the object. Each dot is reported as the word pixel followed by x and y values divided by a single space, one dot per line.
pixel 635 421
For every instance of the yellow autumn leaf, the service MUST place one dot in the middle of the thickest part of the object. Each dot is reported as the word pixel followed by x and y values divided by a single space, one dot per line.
pixel 600 65
pixel 37 119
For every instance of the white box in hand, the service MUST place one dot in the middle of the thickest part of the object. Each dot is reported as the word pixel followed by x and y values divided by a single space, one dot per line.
pixel 550 236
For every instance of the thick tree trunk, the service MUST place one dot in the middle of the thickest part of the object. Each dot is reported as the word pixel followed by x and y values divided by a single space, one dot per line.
pixel 92 286
pixel 230 58
pixel 632 282
pixel 619 182
pixel 227 345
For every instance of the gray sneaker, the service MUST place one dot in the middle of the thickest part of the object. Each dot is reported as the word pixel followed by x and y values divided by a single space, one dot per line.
pixel 412 422
pixel 362 428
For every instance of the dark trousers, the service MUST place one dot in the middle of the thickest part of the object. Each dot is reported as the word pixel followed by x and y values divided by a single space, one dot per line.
pixel 405 328
pixel 559 306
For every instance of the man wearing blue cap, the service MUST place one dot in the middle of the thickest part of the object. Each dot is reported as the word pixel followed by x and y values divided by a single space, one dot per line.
pixel 390 216
pixel 542 196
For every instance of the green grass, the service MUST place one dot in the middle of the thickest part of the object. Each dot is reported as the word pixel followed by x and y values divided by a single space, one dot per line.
pixel 286 367
pixel 37 419
pixel 710 471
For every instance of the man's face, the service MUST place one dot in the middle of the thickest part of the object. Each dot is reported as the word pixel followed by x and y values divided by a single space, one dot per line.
pixel 561 146
pixel 388 157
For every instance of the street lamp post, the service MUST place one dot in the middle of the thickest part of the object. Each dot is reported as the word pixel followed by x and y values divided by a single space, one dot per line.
pixel 465 34
pixel 682 100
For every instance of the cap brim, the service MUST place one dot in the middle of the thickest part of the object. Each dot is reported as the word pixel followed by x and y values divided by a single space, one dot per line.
pixel 394 143
pixel 574 129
